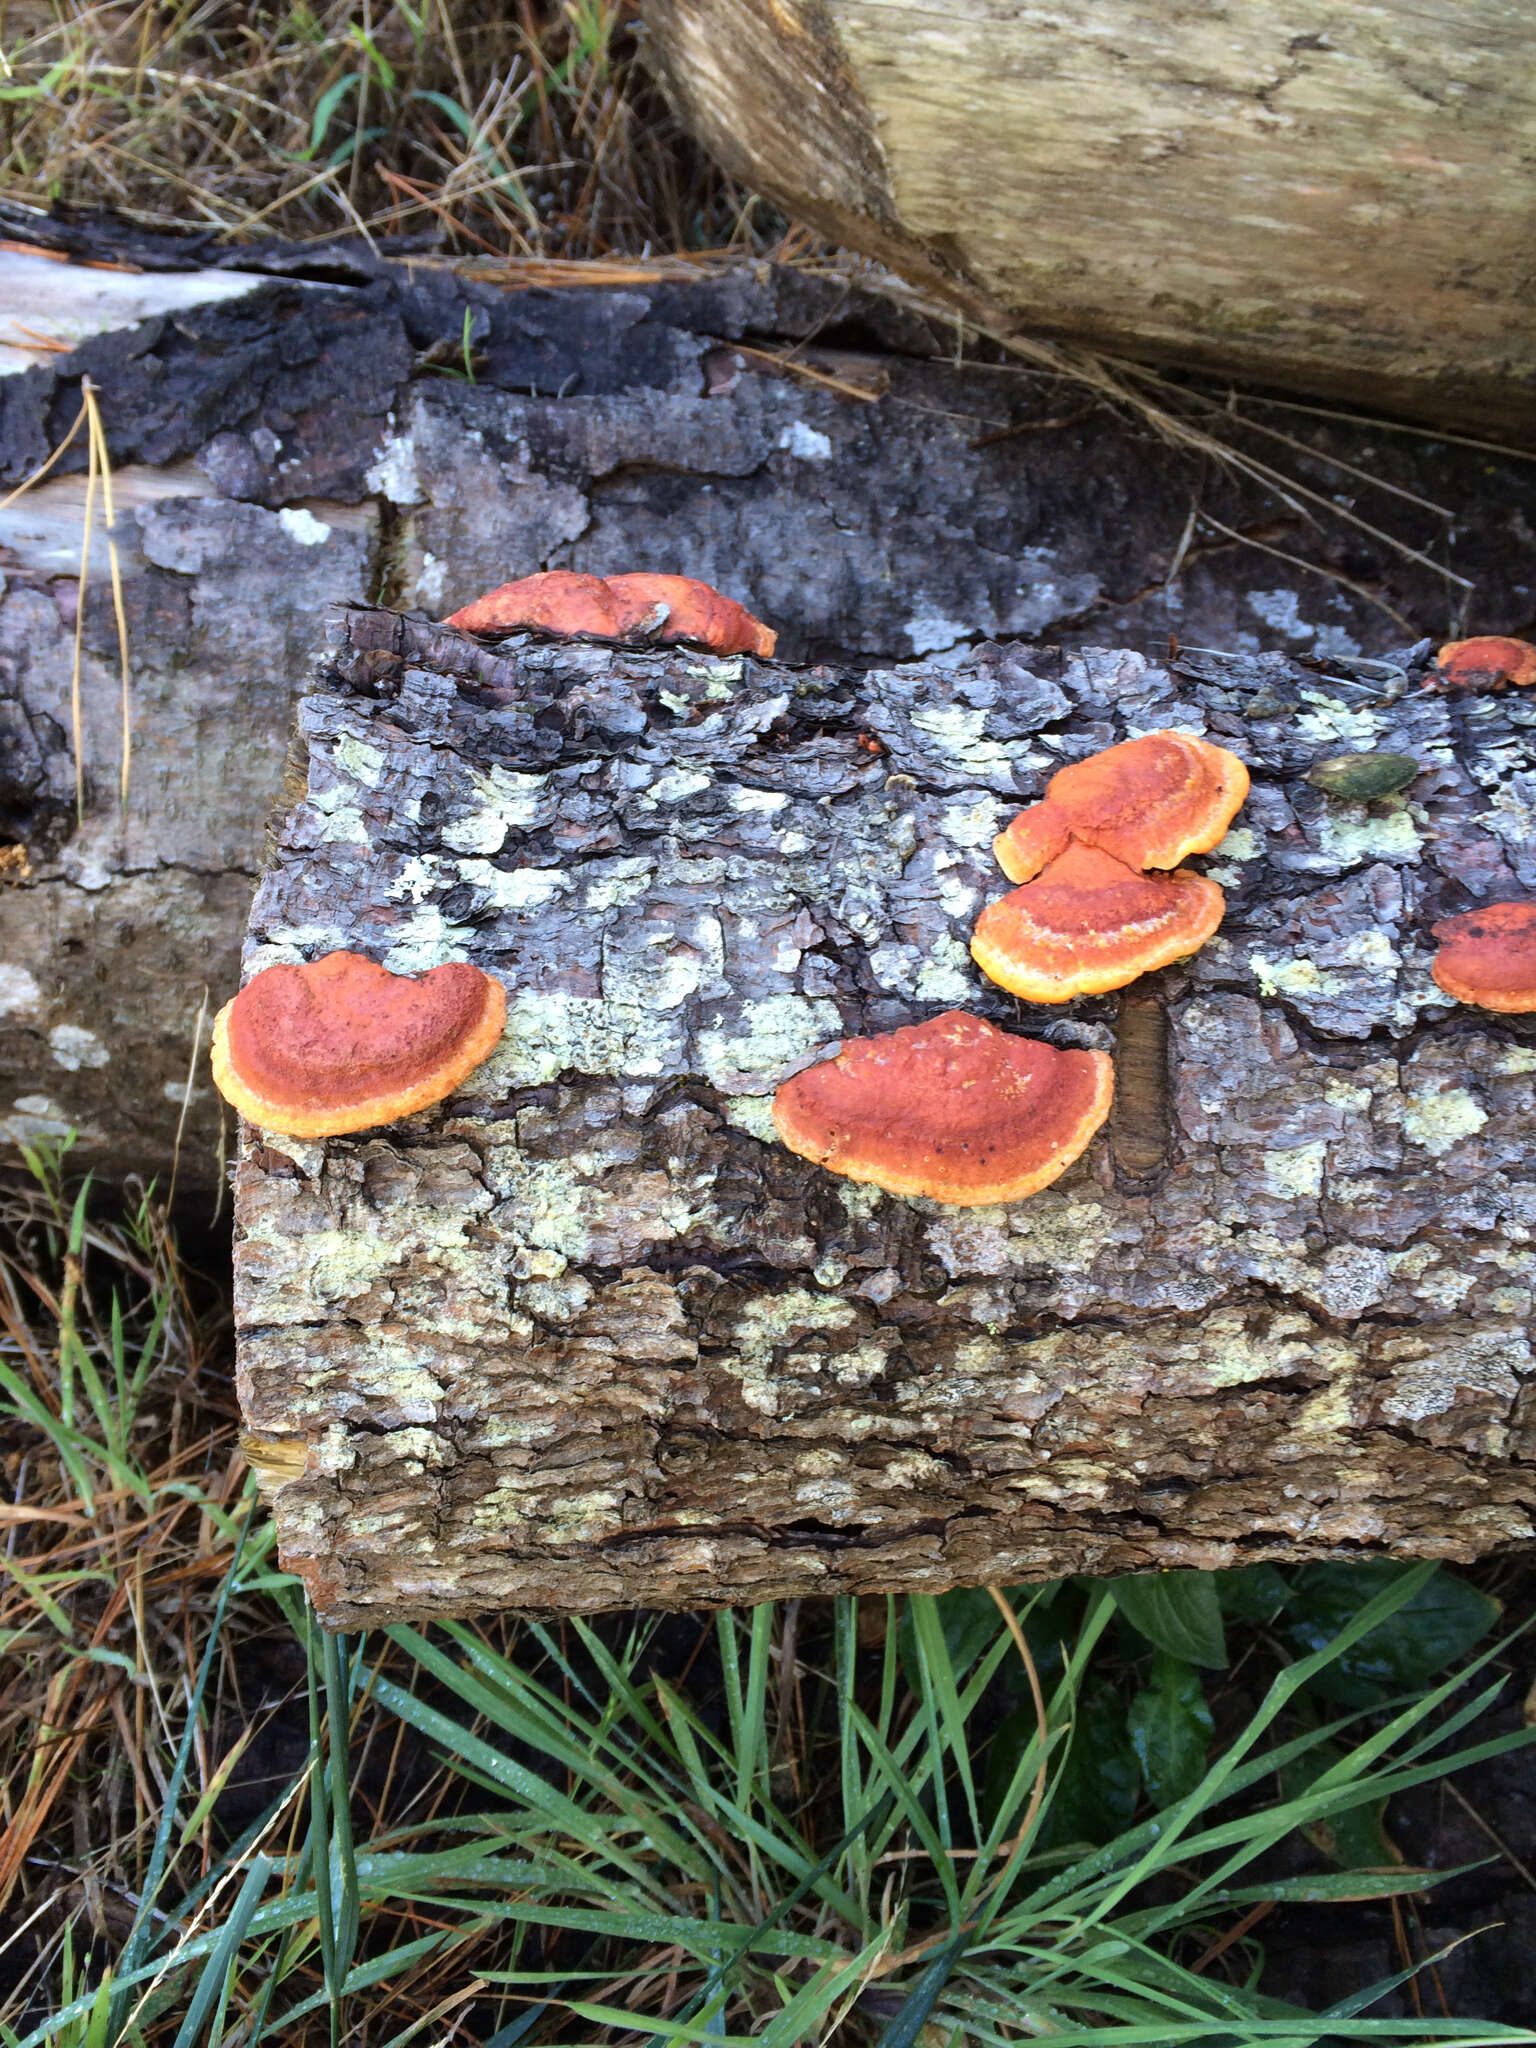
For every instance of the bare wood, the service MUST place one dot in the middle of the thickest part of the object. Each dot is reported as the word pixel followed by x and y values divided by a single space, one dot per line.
pixel 586 1336
pixel 1324 197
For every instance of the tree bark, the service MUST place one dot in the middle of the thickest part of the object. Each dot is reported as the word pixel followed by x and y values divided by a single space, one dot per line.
pixel 1322 199
pixel 301 444
pixel 586 1335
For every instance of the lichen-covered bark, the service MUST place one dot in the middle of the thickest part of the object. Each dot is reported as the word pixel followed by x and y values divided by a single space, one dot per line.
pixel 586 1335
pixel 607 430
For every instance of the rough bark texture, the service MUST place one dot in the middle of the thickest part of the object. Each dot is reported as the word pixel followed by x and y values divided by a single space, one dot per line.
pixel 300 444
pixel 1323 197
pixel 586 1335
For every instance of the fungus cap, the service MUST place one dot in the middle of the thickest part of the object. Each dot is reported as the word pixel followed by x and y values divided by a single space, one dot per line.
pixel 556 601
pixel 954 1109
pixel 615 607
pixel 1486 663
pixel 1151 802
pixel 694 611
pixel 341 1044
pixel 1089 923
pixel 1487 956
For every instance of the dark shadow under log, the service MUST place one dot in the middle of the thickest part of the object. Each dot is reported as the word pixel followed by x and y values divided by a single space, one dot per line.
pixel 586 1336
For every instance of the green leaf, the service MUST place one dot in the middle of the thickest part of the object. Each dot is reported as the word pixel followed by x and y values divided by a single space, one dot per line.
pixel 1440 1623
pixel 1175 1611
pixel 1257 1592
pixel 1170 1727
pixel 325 108
pixel 1094 1794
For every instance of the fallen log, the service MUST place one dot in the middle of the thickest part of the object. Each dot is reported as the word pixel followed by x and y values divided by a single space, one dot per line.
pixel 1322 200
pixel 300 444
pixel 586 1335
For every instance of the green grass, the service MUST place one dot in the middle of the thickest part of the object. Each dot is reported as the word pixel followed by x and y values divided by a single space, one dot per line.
pixel 973 1819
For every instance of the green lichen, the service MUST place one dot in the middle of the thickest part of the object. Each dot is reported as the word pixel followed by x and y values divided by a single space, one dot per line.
pixel 501 801
pixel 552 1033
pixel 355 757
pixel 1349 838
pixel 1440 1116
pixel 1295 1174
pixel 775 1034
pixel 961 734
pixel 1240 844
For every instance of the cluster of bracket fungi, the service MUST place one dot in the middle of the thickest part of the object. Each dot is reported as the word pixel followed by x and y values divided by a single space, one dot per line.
pixel 954 1109
pixel 965 1113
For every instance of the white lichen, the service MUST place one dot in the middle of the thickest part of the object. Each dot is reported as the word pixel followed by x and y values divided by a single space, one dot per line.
pixel 20 995
pixel 976 823
pixel 303 526
pixel 515 888
pixel 959 732
pixel 73 1047
pixel 392 473
pixel 930 632
pixel 806 444
pixel 39 1116
pixel 425 939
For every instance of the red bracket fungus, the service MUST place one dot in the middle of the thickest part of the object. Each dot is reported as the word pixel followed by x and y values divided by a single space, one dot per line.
pixel 954 1109
pixel 1488 956
pixel 1089 923
pixel 1490 662
pixel 1151 802
pixel 341 1044
pixel 636 606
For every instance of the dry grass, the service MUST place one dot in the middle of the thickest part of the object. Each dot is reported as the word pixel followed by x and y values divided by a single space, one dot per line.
pixel 122 1496
pixel 500 127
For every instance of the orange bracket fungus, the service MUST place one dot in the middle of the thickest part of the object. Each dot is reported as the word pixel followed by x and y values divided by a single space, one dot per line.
pixel 1490 662
pixel 1488 956
pixel 341 1044
pixel 636 606
pixel 1089 923
pixel 954 1109
pixel 1151 802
